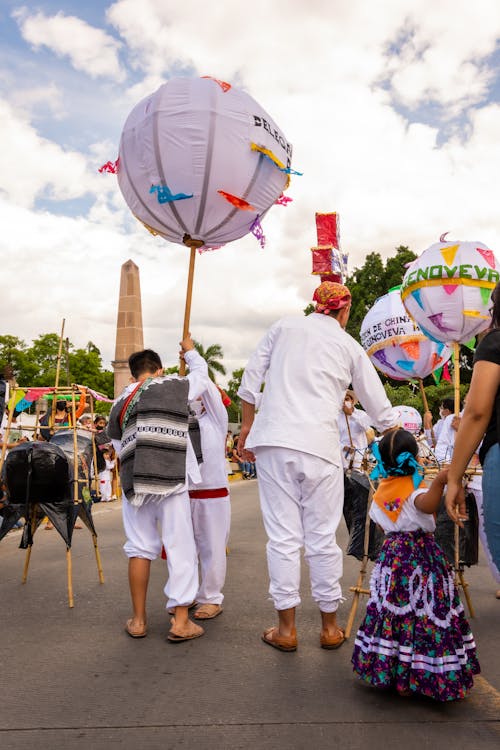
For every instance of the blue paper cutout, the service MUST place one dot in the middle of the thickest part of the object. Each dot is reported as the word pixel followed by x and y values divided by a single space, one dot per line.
pixel 165 195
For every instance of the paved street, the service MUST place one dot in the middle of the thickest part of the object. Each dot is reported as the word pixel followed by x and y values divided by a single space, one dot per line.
pixel 72 678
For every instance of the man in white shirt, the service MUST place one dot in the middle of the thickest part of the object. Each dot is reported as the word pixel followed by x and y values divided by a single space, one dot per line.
pixel 307 363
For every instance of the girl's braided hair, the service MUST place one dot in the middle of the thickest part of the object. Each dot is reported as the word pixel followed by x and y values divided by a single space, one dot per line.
pixel 392 444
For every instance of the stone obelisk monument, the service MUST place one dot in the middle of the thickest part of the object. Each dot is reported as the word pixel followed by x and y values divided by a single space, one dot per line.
pixel 129 336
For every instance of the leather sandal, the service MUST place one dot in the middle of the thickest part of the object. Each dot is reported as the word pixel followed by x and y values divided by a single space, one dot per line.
pixel 272 637
pixel 331 641
pixel 133 633
pixel 207 611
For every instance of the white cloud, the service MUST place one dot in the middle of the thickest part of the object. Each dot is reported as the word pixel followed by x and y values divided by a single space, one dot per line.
pixel 317 71
pixel 32 166
pixel 442 58
pixel 89 49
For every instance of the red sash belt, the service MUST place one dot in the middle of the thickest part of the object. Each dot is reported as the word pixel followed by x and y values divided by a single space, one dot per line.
pixel 204 494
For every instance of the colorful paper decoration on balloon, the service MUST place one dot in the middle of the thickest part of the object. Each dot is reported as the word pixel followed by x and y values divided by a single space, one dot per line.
pixel 191 142
pixel 395 344
pixel 327 259
pixel 447 290
pixel 409 419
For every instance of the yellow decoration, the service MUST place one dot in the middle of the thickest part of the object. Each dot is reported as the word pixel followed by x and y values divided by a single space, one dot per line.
pixel 449 254
pixel 267 152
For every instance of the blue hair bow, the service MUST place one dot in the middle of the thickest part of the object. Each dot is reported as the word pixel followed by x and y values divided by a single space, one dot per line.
pixel 403 461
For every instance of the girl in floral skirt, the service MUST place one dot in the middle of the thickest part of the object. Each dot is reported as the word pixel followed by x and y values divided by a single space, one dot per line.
pixel 414 637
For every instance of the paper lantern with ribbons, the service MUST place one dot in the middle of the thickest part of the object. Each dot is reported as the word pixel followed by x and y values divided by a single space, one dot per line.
pixel 200 163
pixel 447 290
pixel 201 160
pixel 395 344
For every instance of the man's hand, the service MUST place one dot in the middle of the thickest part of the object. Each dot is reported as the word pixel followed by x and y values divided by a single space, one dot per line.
pixel 187 345
pixel 245 454
pixel 455 423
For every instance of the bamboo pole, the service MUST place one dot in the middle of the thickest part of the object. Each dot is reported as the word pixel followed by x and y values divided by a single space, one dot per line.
pixel 59 353
pixel 5 438
pixel 358 588
pixel 98 559
pixel 192 244
pixel 75 448
pixel 32 521
pixel 426 405
pixel 94 449
pixel 459 574
pixel 69 569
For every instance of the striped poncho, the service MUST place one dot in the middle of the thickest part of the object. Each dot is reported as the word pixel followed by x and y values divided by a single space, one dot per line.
pixel 153 424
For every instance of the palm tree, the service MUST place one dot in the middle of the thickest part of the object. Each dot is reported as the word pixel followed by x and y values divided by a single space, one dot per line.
pixel 211 355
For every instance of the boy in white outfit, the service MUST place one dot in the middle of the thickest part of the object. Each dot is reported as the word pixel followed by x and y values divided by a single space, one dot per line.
pixel 149 426
pixel 210 505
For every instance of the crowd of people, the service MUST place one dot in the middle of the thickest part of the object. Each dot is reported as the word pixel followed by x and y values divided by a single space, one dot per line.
pixel 303 437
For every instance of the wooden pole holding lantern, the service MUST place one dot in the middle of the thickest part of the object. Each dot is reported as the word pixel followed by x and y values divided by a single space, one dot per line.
pixel 425 404
pixel 459 574
pixel 193 245
pixel 359 588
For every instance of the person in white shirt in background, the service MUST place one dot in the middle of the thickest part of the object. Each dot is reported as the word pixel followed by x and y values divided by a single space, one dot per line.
pixel 307 363
pixel 210 504
pixel 105 476
pixel 446 408
pixel 354 430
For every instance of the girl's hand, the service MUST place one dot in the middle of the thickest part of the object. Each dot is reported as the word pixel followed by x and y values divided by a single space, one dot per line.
pixel 455 503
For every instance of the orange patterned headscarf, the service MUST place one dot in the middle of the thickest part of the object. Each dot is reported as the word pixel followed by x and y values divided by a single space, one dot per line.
pixel 331 296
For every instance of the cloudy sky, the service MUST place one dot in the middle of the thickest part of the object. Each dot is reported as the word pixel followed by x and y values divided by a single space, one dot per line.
pixel 392 109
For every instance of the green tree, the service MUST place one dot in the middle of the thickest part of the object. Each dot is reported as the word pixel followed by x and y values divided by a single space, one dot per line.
pixel 372 281
pixel 212 355
pixel 234 410
pixel 14 352
pixel 366 285
pixel 395 267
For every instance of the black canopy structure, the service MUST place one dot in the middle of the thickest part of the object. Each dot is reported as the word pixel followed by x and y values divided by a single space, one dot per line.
pixel 50 479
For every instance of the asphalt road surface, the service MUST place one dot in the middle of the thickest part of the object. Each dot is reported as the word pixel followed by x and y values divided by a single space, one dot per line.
pixel 72 678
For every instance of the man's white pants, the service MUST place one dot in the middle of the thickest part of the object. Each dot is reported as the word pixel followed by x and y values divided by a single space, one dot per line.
pixel 301 498
pixel 211 520
pixel 167 521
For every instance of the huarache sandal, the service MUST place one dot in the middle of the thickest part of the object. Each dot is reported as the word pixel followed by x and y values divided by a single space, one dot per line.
pixel 272 637
pixel 134 632
pixel 331 641
pixel 174 638
pixel 171 610
pixel 207 611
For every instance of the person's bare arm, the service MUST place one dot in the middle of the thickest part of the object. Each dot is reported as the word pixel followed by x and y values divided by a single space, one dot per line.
pixel 477 414
pixel 428 502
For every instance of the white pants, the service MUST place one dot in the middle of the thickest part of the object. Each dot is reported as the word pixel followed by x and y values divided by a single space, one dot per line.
pixel 301 498
pixel 105 485
pixel 211 520
pixel 168 521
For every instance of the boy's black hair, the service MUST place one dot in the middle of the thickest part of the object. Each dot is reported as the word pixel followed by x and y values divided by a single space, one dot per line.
pixel 448 403
pixel 144 362
pixel 396 442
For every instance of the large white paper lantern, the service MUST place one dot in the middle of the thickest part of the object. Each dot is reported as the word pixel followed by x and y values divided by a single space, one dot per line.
pixel 201 160
pixel 395 344
pixel 447 290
